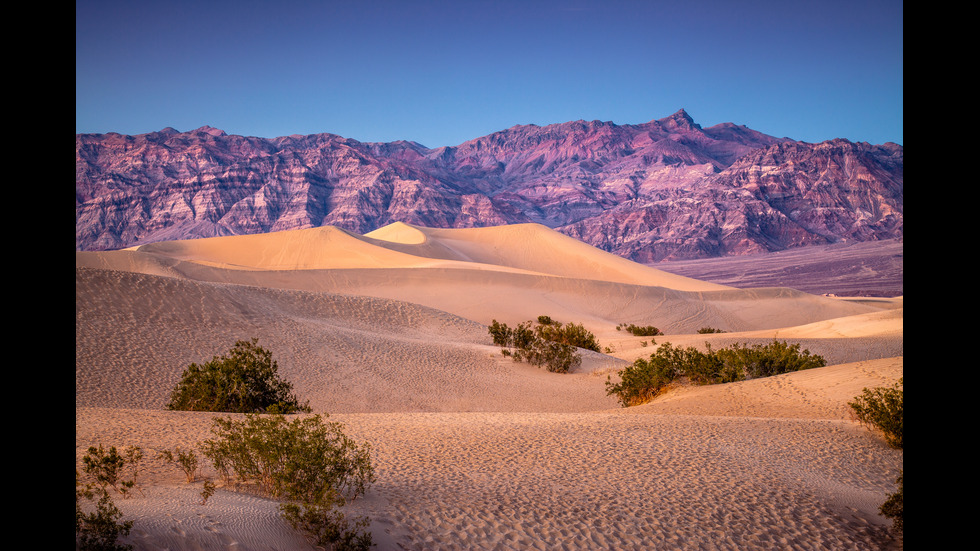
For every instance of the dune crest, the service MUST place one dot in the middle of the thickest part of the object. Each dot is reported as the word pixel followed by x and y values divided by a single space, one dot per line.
pixel 520 248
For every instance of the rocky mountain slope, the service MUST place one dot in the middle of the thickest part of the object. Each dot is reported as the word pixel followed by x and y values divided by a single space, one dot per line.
pixel 666 189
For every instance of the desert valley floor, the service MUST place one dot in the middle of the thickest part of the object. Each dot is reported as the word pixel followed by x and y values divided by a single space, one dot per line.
pixel 387 333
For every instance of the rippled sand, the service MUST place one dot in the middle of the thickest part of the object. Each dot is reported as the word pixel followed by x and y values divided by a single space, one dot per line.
pixel 472 450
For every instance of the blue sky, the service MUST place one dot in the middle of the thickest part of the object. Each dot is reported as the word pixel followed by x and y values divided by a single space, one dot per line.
pixel 442 72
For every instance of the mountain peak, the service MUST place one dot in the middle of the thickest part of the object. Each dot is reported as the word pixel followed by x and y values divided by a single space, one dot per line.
pixel 210 130
pixel 680 120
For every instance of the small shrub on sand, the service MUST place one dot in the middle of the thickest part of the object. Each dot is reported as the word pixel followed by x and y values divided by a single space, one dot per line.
pixel 894 506
pixel 245 380
pixel 645 379
pixel 549 344
pixel 105 467
pixel 186 460
pixel 98 529
pixel 501 334
pixel 97 519
pixel 310 464
pixel 766 360
pixel 572 334
pixel 881 409
pixel 641 331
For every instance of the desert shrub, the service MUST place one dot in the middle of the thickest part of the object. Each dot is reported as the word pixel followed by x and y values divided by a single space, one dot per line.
pixel 300 459
pixel 572 334
pixel 708 368
pixel 893 507
pixel 245 380
pixel 309 463
pixel 328 527
pixel 770 359
pixel 207 491
pixel 706 330
pixel 186 460
pixel 644 379
pixel 881 409
pixel 523 336
pixel 97 525
pixel 549 344
pixel 501 334
pixel 98 529
pixel 554 356
pixel 105 467
pixel 641 331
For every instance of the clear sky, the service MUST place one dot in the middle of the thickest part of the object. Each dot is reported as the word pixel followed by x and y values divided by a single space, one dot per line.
pixel 443 72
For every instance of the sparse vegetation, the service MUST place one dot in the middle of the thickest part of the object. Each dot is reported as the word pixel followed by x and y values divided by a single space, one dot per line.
pixel 572 334
pixel 706 330
pixel 769 359
pixel 881 409
pixel 105 467
pixel 639 331
pixel 894 506
pixel 310 464
pixel 245 380
pixel 549 344
pixel 645 379
pixel 100 529
pixel 97 519
pixel 207 491
pixel 185 459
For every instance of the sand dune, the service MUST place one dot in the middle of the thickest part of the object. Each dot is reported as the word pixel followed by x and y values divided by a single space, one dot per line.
pixel 386 332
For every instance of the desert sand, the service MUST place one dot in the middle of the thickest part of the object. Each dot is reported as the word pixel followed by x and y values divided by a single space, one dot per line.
pixel 387 333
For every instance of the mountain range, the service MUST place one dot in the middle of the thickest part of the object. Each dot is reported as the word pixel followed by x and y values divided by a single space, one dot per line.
pixel 663 190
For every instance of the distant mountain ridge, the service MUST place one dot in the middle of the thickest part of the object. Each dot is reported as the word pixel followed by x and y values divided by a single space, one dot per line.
pixel 666 189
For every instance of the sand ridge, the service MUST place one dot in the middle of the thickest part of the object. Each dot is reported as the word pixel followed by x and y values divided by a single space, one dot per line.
pixel 473 450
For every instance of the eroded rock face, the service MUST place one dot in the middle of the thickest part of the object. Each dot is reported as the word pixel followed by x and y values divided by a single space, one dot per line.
pixel 666 189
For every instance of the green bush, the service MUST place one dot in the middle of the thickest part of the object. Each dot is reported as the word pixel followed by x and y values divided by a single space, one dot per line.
pixel 310 464
pixel 893 507
pixel 550 344
pixel 554 356
pixel 245 380
pixel 572 334
pixel 881 409
pixel 327 527
pixel 185 459
pixel 97 525
pixel 641 331
pixel 709 368
pixel 105 467
pixel 706 330
pixel 644 379
pixel 770 359
pixel 501 334
pixel 98 529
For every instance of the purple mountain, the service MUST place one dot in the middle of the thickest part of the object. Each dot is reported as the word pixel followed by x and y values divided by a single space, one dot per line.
pixel 666 189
